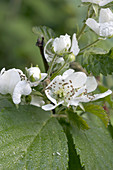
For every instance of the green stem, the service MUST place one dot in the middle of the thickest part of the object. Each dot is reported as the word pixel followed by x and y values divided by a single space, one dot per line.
pixel 51 66
pixel 57 73
pixel 84 26
pixel 93 43
pixel 81 32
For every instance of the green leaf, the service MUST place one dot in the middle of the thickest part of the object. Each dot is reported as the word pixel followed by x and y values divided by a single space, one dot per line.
pixel 94 146
pixel 77 120
pixel 43 31
pixel 110 128
pixel 96 62
pixel 74 161
pixel 98 111
pixel 31 139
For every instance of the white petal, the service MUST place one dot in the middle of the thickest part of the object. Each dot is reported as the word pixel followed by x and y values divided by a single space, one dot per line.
pixel 74 102
pixel 60 60
pixel 67 73
pixel 78 79
pixel 49 107
pixel 79 92
pixel 56 79
pixel 106 15
pixel 82 98
pixel 37 101
pixel 93 25
pixel 22 88
pixel 74 47
pixel 8 81
pixel 43 76
pixel 104 2
pixel 106 29
pixel 49 96
pixel 91 84
pixel 47 57
pixel 102 95
pixel 92 1
pixel 61 44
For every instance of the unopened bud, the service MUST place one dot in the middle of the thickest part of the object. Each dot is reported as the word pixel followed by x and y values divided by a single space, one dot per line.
pixel 69 57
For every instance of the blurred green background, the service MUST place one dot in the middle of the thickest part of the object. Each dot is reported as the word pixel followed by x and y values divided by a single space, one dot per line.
pixel 17 17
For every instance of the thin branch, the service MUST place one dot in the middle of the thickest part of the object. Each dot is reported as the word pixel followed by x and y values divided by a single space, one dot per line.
pixel 40 44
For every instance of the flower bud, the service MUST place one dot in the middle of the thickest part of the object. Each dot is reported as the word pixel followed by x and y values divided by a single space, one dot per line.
pixel 34 73
pixel 69 57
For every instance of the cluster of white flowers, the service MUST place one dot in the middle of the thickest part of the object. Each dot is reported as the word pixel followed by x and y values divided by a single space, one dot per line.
pixel 69 89
pixel 14 82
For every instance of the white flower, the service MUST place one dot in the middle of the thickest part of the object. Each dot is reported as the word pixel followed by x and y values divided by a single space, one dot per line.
pixel 61 46
pixel 35 73
pixel 72 88
pixel 14 82
pixel 99 2
pixel 105 26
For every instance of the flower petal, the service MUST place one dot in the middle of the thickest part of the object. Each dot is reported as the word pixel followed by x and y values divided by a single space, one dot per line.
pixel 8 81
pixel 102 95
pixel 43 76
pixel 60 60
pixel 37 101
pixel 47 57
pixel 78 79
pixel 106 29
pixel 92 1
pixel 49 96
pixel 67 73
pixel 91 84
pixel 61 44
pixel 74 47
pixel 22 88
pixel 104 2
pixel 93 25
pixel 49 107
pixel 106 15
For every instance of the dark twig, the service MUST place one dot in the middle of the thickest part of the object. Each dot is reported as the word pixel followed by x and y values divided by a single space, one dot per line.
pixel 40 44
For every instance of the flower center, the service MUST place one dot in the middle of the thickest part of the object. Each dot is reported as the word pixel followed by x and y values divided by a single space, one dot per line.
pixel 62 90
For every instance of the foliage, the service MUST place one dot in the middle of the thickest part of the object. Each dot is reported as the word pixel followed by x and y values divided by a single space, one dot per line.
pixel 31 138
pixel 98 63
